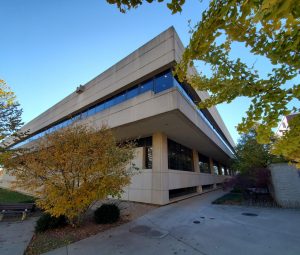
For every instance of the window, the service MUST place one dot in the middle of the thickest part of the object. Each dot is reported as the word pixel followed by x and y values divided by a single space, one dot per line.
pixel 146 86
pixel 204 164
pixel 90 112
pixel 157 84
pixel 179 157
pixel 173 193
pixel 229 171
pixel 163 82
pixel 75 118
pixel 132 93
pixel 148 157
pixel 216 167
pixel 223 170
pixel 207 187
pixel 120 98
pixel 146 143
pixel 108 103
pixel 99 108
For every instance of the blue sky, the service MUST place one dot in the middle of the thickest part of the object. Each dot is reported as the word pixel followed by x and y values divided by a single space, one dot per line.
pixel 48 48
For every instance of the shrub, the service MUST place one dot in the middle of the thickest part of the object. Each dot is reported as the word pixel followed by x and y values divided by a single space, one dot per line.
pixel 107 213
pixel 46 221
pixel 256 178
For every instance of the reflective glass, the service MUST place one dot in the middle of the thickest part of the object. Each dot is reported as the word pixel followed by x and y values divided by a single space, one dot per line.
pixel 146 86
pixel 90 112
pixel 108 103
pixel 216 167
pixel 179 157
pixel 76 117
pixel 204 164
pixel 132 93
pixel 99 108
pixel 163 82
pixel 120 98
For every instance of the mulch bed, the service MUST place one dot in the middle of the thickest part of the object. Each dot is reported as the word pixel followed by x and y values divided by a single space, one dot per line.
pixel 55 238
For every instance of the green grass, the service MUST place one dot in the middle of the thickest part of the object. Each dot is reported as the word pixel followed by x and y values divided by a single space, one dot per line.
pixel 9 196
pixel 230 198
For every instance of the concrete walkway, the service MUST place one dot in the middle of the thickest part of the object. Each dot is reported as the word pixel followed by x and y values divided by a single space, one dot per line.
pixel 194 226
pixel 15 236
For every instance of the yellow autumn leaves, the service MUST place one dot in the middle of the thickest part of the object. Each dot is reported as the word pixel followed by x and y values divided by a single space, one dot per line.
pixel 71 168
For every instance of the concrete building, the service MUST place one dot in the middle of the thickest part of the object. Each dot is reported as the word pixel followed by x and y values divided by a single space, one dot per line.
pixel 181 150
pixel 284 123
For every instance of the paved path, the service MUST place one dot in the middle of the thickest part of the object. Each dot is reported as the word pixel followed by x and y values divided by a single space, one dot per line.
pixel 15 236
pixel 194 226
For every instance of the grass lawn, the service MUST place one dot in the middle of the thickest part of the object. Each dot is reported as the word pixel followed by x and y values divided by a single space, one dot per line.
pixel 230 199
pixel 8 196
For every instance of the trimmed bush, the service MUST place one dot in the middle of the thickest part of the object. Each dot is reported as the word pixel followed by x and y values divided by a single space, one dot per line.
pixel 46 221
pixel 107 213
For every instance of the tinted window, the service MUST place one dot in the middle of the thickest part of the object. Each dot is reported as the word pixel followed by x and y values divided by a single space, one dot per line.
pixel 216 167
pixel 204 164
pixel 146 86
pixel 90 112
pixel 159 83
pixel 223 170
pixel 179 157
pixel 99 108
pixel 132 92
pixel 108 103
pixel 75 118
pixel 163 82
pixel 147 144
pixel 120 98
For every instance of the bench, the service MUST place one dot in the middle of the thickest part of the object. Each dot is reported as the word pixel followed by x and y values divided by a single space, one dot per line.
pixel 22 208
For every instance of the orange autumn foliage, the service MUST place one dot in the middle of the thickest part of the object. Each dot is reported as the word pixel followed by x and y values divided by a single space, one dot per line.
pixel 71 168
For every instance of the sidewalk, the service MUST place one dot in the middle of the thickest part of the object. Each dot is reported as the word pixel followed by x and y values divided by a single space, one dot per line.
pixel 143 236
pixel 15 236
pixel 195 226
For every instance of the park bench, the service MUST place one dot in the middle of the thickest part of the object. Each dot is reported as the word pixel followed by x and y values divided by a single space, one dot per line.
pixel 17 208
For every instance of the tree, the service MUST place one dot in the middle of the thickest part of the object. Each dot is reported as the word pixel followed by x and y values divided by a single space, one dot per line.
pixel 283 144
pixel 71 168
pixel 10 114
pixel 269 28
pixel 250 155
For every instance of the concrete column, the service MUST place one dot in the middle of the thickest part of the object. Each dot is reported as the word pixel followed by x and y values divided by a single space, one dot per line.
pixel 211 165
pixel 196 167
pixel 196 161
pixel 219 169
pixel 160 178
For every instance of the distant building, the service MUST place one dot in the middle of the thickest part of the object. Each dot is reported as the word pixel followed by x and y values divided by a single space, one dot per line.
pixel 284 124
pixel 181 150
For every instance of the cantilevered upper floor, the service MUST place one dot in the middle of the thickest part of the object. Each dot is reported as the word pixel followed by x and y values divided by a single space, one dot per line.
pixel 137 88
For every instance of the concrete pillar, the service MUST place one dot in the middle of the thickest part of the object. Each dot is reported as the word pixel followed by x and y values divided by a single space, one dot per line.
pixel 196 167
pixel 160 181
pixel 211 165
pixel 225 170
pixel 196 161
pixel 220 169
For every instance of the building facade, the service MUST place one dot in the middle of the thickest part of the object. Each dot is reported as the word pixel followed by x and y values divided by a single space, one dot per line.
pixel 283 126
pixel 181 150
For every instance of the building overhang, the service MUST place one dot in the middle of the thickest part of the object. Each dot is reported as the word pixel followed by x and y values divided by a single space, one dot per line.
pixel 178 128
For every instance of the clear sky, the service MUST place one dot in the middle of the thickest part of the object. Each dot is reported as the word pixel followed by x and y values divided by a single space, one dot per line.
pixel 49 47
